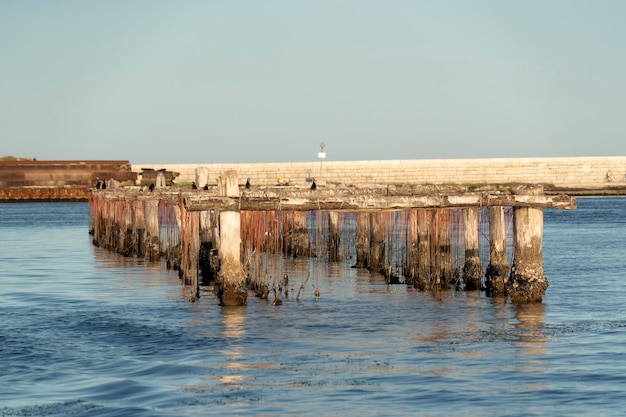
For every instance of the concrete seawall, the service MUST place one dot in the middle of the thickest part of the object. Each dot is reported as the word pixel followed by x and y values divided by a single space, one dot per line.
pixel 570 172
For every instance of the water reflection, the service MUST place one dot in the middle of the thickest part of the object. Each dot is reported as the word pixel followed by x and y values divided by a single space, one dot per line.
pixel 532 335
pixel 233 322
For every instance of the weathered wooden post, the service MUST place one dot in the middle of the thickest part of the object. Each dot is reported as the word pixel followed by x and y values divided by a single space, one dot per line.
pixel 377 242
pixel 232 285
pixel 498 269
pixel 160 179
pixel 472 270
pixel 207 258
pixel 527 283
pixel 129 236
pixel 122 224
pixel 333 236
pixel 202 176
pixel 153 249
pixel 106 224
pixel 412 257
pixel 190 248
pixel 444 266
pixel 424 275
pixel 286 219
pixel 140 229
pixel 206 227
pixel 362 240
pixel 300 234
pixel 96 218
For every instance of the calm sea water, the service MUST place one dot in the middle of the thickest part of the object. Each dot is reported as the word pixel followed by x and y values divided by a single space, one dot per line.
pixel 84 332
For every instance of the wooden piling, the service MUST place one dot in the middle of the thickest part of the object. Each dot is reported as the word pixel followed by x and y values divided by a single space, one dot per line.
pixel 362 244
pixel 153 249
pixel 127 233
pixel 412 251
pixel 295 234
pixel 472 270
pixel 527 283
pixel 300 234
pixel 207 261
pixel 498 268
pixel 429 280
pixel 377 242
pixel 189 233
pixel 444 266
pixel 202 176
pixel 140 229
pixel 286 220
pixel 160 180
pixel 232 278
pixel 333 236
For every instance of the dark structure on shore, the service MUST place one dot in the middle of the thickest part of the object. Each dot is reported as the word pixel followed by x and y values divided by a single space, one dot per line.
pixel 32 180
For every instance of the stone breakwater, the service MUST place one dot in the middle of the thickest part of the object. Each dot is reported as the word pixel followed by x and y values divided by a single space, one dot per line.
pixel 568 173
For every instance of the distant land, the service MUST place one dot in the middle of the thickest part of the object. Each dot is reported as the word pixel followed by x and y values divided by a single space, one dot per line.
pixel 16 158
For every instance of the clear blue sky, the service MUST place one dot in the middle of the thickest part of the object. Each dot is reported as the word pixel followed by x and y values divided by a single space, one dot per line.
pixel 214 81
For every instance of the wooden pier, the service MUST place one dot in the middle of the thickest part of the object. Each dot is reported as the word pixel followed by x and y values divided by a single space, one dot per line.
pixel 407 233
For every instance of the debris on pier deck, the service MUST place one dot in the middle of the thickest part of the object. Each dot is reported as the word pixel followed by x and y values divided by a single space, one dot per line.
pixel 425 222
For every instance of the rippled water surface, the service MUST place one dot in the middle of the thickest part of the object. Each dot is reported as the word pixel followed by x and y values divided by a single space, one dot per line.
pixel 87 332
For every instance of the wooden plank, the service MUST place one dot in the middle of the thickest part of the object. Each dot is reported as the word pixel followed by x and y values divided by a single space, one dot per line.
pixel 374 203
pixel 349 200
